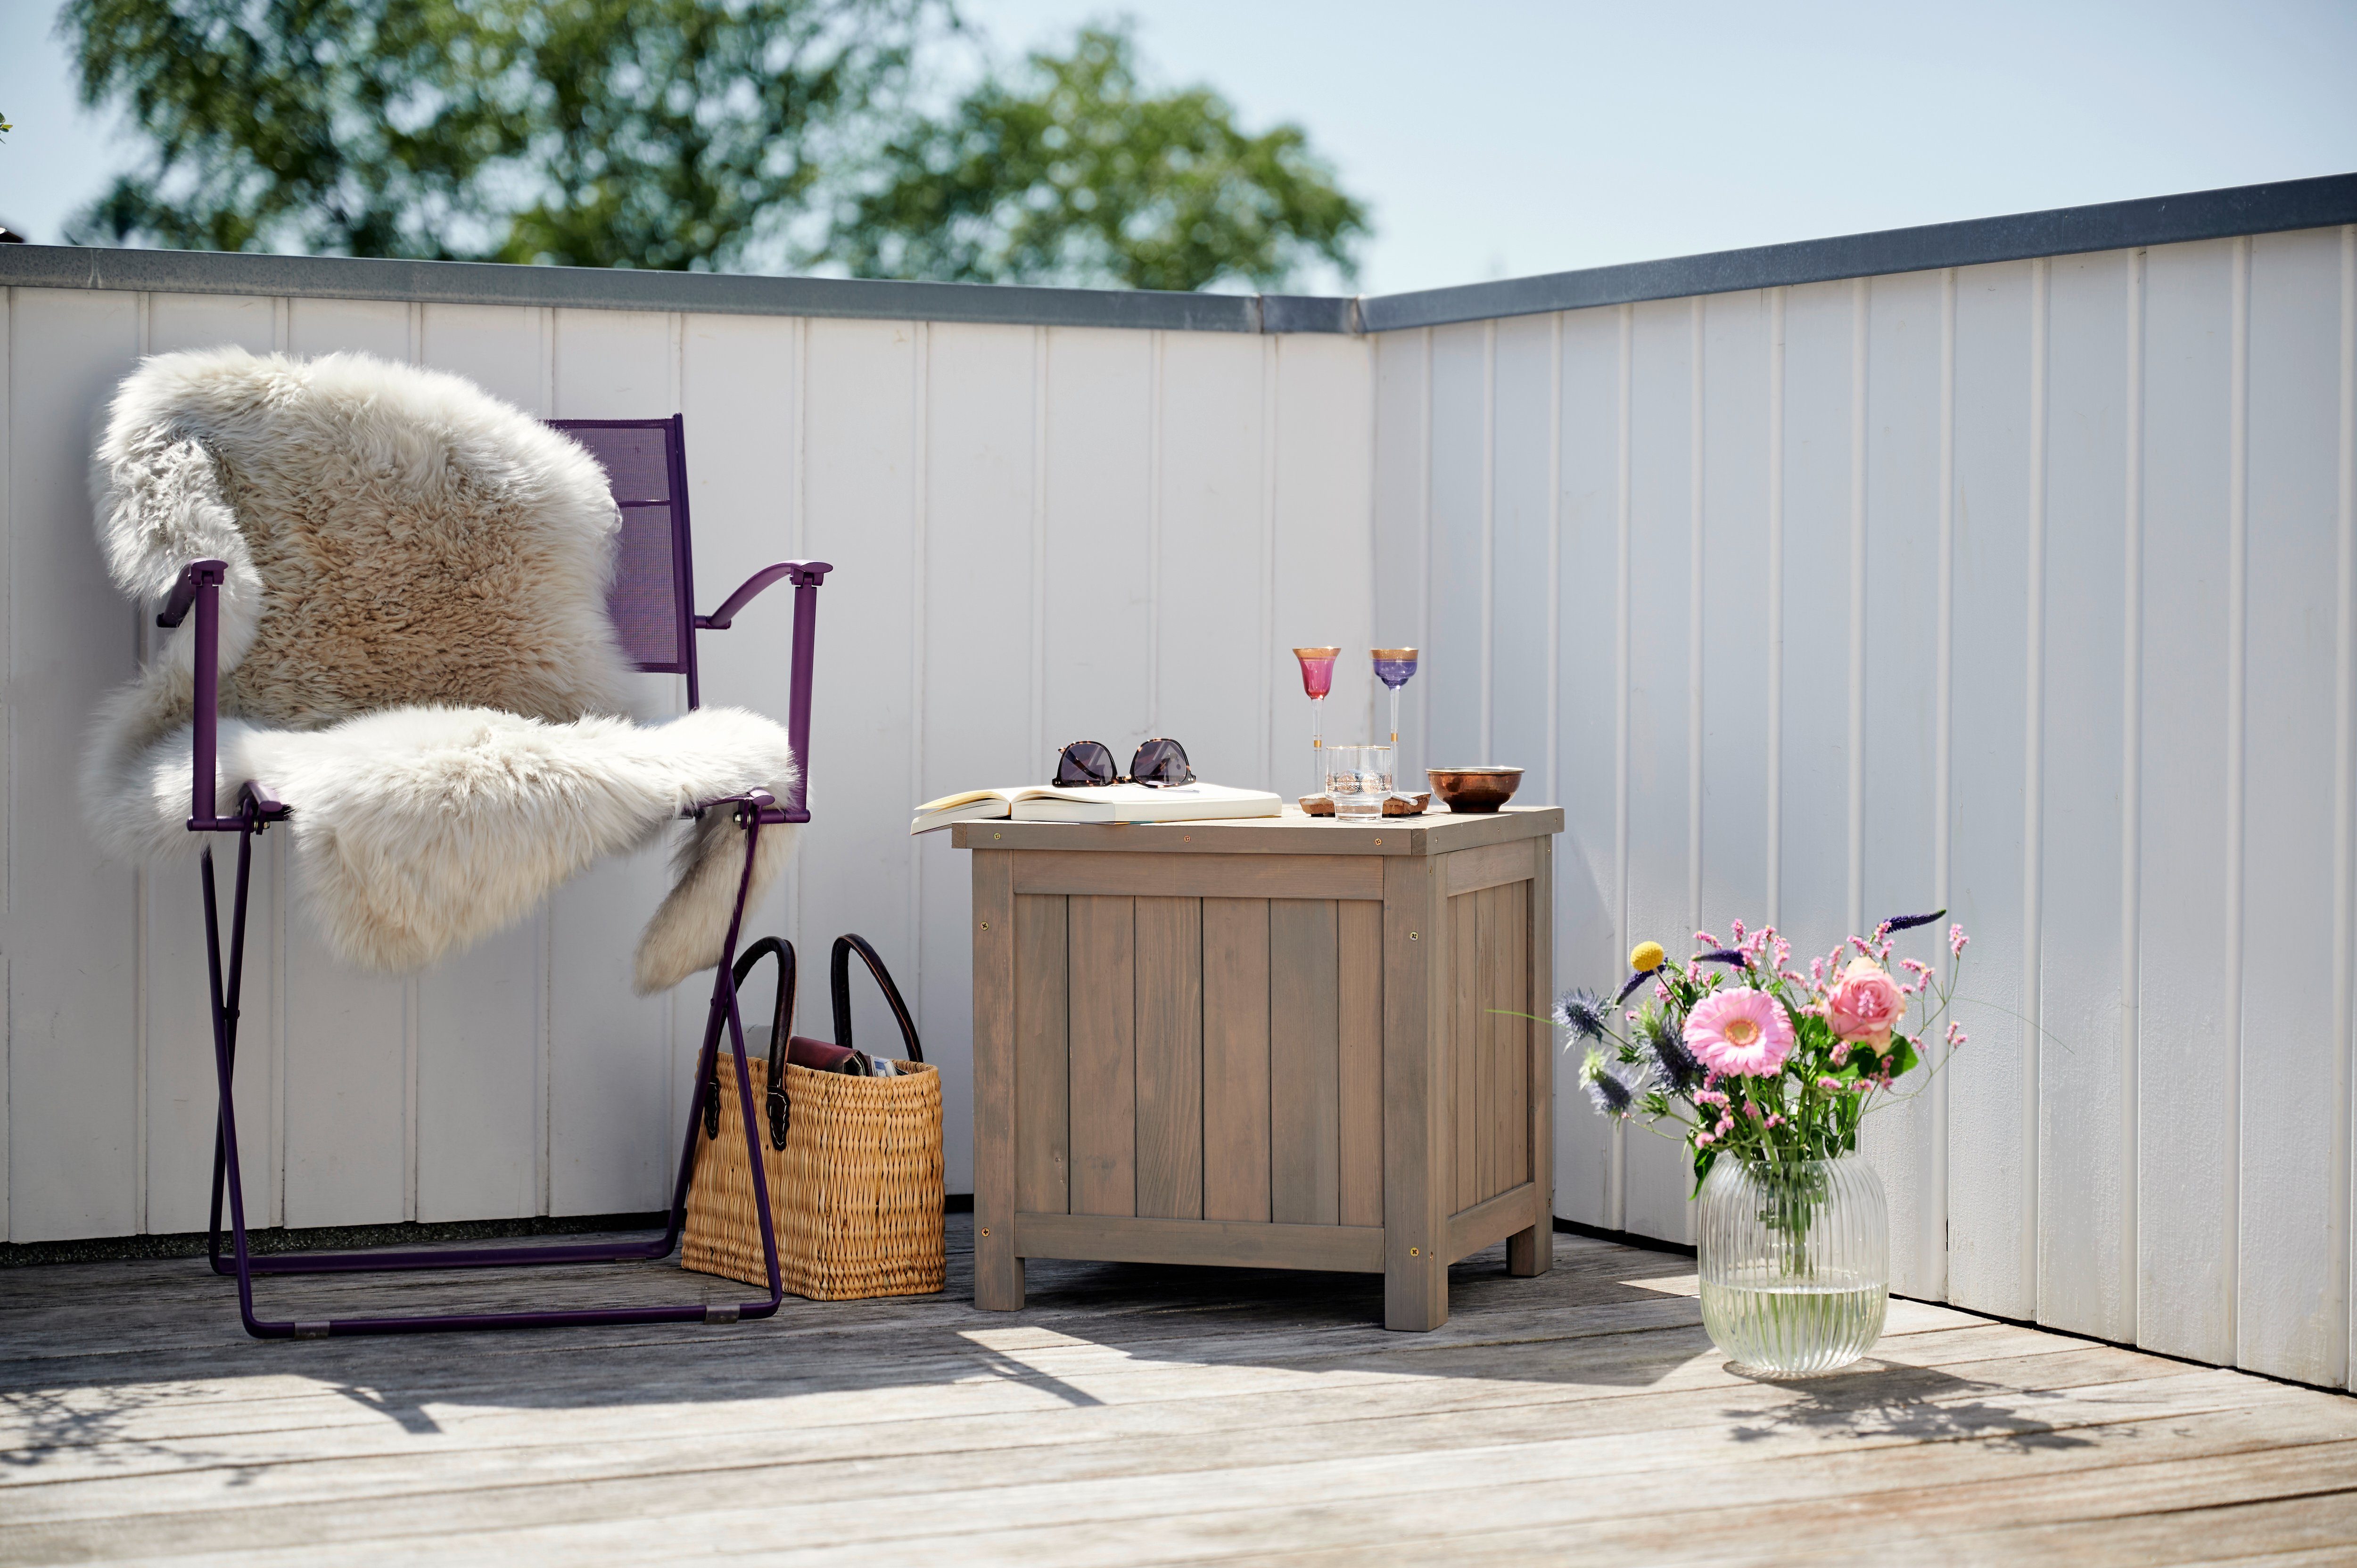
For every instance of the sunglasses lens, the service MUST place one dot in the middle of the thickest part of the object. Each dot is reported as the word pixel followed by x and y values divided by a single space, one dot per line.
pixel 1084 762
pixel 1161 762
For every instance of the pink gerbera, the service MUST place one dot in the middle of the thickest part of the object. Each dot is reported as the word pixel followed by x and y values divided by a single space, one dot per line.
pixel 1741 1032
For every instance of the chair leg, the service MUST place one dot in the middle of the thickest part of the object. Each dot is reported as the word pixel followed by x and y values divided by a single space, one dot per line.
pixel 228 1177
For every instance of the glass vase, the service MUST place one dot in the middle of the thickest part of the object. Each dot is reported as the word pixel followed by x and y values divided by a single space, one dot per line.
pixel 1795 1264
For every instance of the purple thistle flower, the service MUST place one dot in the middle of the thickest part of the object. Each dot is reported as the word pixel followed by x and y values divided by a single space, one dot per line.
pixel 1680 1068
pixel 1615 1086
pixel 1582 1013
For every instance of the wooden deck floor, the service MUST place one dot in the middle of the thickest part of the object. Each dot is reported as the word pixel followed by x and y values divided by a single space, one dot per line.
pixel 1130 1415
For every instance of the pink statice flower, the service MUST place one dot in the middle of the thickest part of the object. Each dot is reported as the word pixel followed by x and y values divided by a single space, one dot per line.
pixel 1956 1035
pixel 1956 940
pixel 1865 1004
pixel 1742 1032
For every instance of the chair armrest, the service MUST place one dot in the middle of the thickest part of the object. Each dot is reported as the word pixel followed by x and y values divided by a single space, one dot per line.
pixel 802 573
pixel 194 575
pixel 200 587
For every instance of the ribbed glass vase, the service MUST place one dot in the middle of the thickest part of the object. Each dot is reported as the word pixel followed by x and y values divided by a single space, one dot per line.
pixel 1796 1262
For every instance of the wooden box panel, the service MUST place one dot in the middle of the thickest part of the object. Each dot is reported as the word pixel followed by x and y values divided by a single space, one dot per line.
pixel 1489 1048
pixel 1198 1058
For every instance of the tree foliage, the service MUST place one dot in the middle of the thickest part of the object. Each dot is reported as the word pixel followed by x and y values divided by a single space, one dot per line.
pixel 708 134
pixel 1076 174
pixel 598 133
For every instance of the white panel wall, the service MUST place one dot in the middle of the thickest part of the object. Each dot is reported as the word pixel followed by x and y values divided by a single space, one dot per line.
pixel 1040 534
pixel 2026 589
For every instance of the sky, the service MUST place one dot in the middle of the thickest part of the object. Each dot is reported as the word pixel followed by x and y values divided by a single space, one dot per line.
pixel 1505 139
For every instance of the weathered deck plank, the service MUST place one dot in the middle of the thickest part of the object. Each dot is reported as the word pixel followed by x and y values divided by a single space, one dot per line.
pixel 1129 1414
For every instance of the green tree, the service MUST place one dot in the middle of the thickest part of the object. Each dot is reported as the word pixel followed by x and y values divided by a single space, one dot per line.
pixel 596 132
pixel 708 134
pixel 1077 176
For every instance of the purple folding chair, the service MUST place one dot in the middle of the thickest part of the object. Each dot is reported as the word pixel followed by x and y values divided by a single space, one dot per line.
pixel 652 605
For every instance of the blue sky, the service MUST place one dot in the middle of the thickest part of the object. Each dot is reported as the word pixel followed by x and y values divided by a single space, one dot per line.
pixel 1508 138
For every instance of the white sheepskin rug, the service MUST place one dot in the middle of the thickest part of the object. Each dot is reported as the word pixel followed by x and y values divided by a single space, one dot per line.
pixel 414 656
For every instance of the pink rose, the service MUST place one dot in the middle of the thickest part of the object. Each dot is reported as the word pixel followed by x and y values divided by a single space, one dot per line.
pixel 1865 1004
pixel 1741 1032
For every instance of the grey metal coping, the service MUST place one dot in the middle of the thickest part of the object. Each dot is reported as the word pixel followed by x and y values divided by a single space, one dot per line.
pixel 617 288
pixel 2323 202
pixel 2316 203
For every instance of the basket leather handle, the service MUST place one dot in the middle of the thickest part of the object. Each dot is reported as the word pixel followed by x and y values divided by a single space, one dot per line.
pixel 780 1112
pixel 839 983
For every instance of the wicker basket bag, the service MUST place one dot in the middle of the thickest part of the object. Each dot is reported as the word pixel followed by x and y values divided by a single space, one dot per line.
pixel 854 1163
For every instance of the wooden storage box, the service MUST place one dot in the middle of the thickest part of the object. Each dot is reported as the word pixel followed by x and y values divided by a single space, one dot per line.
pixel 1277 1042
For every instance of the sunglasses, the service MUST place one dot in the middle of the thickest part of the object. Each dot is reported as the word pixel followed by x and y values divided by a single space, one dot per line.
pixel 1160 763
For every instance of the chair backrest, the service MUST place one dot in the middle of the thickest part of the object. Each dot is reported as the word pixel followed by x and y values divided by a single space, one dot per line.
pixel 652 599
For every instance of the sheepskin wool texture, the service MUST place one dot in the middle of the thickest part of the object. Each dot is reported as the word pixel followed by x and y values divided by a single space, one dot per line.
pixel 415 652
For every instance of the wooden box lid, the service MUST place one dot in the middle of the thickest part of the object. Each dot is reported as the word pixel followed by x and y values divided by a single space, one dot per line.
pixel 1437 832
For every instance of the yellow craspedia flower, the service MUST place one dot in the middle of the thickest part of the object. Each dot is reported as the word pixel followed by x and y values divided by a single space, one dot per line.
pixel 1646 956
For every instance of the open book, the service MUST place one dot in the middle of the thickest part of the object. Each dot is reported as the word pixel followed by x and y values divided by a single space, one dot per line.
pixel 1099 803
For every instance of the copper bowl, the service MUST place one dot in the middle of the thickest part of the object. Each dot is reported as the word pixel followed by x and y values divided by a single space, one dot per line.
pixel 1464 790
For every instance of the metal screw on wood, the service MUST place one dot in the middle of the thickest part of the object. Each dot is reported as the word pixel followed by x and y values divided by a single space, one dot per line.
pixel 1416 1251
pixel 1411 936
pixel 985 1230
pixel 985 925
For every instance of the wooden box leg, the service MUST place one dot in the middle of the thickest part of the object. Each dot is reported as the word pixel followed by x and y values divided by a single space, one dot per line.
pixel 1416 1291
pixel 1415 1134
pixel 1530 1251
pixel 997 1271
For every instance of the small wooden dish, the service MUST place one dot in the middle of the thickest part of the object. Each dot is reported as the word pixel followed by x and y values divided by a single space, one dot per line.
pixel 1466 790
pixel 1394 805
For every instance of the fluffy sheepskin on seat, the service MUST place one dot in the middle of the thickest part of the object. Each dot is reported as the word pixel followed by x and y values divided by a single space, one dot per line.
pixel 414 655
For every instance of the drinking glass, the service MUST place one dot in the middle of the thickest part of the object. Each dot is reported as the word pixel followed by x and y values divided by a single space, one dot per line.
pixel 1357 779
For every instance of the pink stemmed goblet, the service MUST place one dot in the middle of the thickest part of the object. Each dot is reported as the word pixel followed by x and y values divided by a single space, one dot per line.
pixel 1317 679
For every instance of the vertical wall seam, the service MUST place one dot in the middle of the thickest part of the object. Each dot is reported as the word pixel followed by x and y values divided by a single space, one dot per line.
pixel 1857 741
pixel 2344 855
pixel 1424 542
pixel 142 949
pixel 1038 547
pixel 1554 645
pixel 1618 1177
pixel 546 1088
pixel 1269 372
pixel 7 726
pixel 1555 568
pixel 1697 566
pixel 2237 655
pixel 798 548
pixel 1944 740
pixel 2131 796
pixel 1154 349
pixel 1489 538
pixel 919 530
pixel 1775 802
pixel 410 1002
pixel 2033 804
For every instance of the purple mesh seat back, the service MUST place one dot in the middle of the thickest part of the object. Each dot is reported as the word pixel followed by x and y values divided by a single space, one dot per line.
pixel 652 600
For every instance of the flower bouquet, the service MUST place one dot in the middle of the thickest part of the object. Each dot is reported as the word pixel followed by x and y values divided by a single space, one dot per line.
pixel 1769 1071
